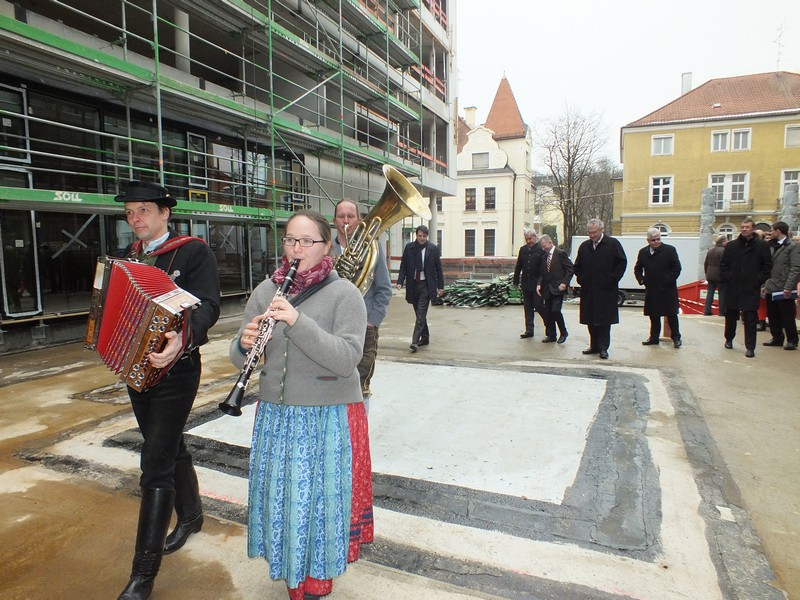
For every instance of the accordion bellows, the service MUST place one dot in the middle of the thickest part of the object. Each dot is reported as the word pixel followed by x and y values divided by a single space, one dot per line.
pixel 133 307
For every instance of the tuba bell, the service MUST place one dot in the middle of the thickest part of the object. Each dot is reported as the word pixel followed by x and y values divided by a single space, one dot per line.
pixel 400 199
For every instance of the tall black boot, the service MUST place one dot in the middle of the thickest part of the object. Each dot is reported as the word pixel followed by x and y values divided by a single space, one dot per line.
pixel 155 511
pixel 188 506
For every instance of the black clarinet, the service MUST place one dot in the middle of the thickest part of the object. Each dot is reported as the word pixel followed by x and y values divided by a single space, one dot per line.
pixel 233 403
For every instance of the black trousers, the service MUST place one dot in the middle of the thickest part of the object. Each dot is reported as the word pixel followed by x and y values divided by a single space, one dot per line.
pixel 781 316
pixel 532 303
pixel 750 323
pixel 162 413
pixel 553 317
pixel 599 336
pixel 422 301
pixel 655 327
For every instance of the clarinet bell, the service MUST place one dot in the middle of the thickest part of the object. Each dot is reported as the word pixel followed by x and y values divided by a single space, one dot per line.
pixel 233 403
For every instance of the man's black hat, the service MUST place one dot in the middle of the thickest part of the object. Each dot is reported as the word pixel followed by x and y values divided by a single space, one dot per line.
pixel 146 191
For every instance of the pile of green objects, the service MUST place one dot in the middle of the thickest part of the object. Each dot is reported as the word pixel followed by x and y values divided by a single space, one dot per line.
pixel 473 293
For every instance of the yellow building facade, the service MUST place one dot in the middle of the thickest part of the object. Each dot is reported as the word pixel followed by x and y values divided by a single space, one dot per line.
pixel 738 138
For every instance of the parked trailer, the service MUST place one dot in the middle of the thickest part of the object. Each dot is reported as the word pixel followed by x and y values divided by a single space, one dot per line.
pixel 629 289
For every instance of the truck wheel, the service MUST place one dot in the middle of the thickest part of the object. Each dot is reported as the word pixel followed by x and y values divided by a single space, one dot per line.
pixel 621 298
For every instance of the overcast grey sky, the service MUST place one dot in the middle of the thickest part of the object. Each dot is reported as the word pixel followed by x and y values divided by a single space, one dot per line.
pixel 618 60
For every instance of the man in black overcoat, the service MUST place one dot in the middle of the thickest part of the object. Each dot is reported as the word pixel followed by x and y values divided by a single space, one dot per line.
pixel 599 265
pixel 526 277
pixel 657 269
pixel 745 266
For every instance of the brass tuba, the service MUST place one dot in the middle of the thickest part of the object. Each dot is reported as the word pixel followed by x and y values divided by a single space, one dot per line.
pixel 400 199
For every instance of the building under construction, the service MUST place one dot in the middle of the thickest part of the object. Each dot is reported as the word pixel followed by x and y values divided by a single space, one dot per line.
pixel 247 110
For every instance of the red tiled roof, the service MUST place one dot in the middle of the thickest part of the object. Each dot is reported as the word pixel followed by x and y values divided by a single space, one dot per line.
pixel 504 116
pixel 745 95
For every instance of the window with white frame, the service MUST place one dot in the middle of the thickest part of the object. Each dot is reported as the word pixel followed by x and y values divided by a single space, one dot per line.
pixel 792 136
pixel 664 229
pixel 662 145
pixel 719 141
pixel 660 190
pixel 727 231
pixel 790 177
pixel 729 187
pixel 480 160
pixel 741 139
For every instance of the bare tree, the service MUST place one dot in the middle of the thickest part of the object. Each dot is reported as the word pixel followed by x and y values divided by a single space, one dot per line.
pixel 571 144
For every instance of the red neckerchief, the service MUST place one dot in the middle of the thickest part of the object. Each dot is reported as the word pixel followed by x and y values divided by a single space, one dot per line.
pixel 167 246
pixel 304 279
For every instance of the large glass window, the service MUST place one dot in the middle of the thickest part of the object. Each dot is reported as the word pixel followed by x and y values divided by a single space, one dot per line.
pixel 790 177
pixel 719 141
pixel 741 139
pixel 13 128
pixel 793 136
pixel 21 293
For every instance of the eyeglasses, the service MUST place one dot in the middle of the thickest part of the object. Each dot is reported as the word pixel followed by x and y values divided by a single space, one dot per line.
pixel 304 242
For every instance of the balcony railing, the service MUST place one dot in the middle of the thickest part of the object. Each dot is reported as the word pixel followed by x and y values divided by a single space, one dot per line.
pixel 728 205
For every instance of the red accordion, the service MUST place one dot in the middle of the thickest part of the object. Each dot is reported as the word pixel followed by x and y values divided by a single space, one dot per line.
pixel 133 307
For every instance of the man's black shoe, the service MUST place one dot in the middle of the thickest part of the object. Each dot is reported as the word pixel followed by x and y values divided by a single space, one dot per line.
pixel 590 351
pixel 413 347
pixel 650 342
pixel 790 346
pixel 548 340
pixel 750 353
pixel 424 342
pixel 677 343
pixel 773 342
pixel 562 339
pixel 525 335
pixel 729 345
pixel 603 354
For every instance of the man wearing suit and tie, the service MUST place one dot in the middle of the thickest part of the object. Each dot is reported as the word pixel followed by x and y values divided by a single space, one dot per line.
pixel 556 273
pixel 421 266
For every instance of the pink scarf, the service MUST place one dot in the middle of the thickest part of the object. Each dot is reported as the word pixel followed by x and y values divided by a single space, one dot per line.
pixel 303 279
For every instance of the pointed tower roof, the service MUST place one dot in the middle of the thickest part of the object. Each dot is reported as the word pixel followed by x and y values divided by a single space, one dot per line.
pixel 504 116
pixel 744 96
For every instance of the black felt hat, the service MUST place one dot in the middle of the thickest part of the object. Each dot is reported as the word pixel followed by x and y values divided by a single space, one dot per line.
pixel 146 191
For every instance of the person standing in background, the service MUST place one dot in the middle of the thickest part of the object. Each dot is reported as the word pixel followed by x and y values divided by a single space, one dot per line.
pixel 657 268
pixel 779 287
pixel 599 265
pixel 526 277
pixel 713 276
pixel 745 266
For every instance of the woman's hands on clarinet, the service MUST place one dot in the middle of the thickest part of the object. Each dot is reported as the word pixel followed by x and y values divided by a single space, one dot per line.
pixel 280 309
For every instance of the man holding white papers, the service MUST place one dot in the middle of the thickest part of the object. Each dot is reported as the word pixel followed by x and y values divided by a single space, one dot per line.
pixel 779 287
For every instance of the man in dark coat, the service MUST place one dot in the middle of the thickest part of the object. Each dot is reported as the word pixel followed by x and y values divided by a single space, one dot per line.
pixel 745 266
pixel 713 277
pixel 168 477
pixel 657 269
pixel 780 285
pixel 526 277
pixel 553 283
pixel 599 265
pixel 421 266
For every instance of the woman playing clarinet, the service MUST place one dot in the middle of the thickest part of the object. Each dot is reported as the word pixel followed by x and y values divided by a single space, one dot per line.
pixel 310 489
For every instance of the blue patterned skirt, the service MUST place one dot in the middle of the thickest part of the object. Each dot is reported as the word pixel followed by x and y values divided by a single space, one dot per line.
pixel 300 491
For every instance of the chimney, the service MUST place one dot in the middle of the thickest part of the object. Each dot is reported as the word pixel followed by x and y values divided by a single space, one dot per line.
pixel 686 83
pixel 469 116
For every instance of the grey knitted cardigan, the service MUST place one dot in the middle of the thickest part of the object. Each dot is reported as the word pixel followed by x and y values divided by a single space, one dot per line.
pixel 313 362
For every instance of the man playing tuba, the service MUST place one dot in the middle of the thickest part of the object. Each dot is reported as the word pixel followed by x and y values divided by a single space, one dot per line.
pixel 377 296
